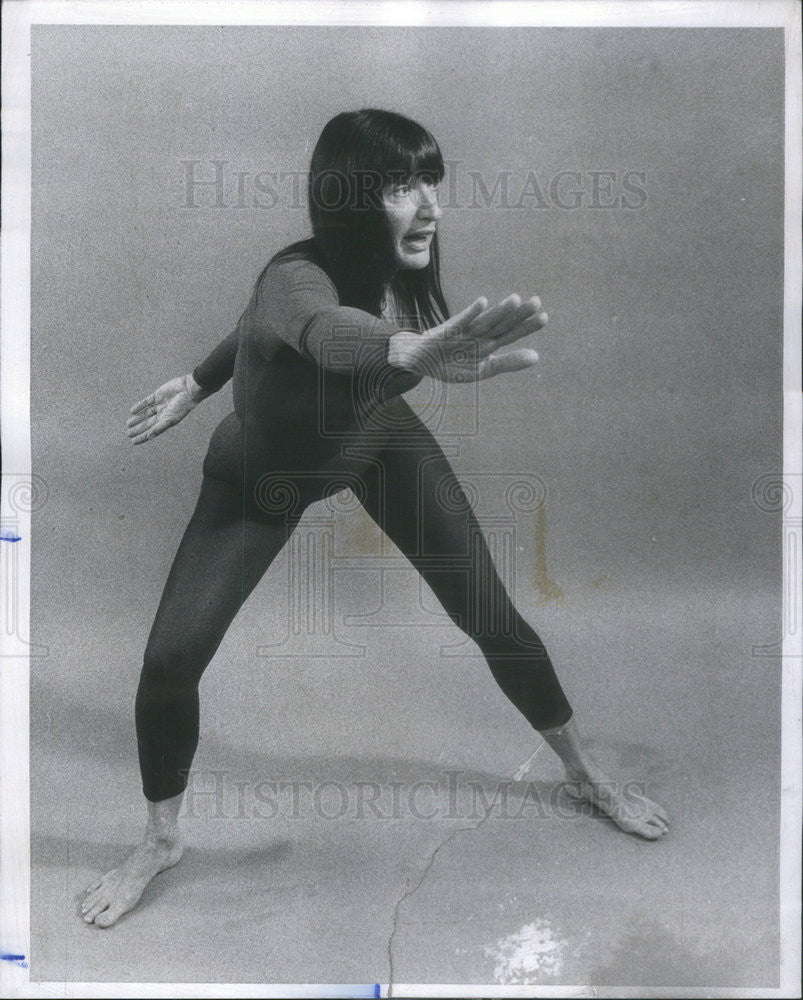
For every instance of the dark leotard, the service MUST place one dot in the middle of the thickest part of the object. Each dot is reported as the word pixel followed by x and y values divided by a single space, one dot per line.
pixel 317 408
pixel 311 380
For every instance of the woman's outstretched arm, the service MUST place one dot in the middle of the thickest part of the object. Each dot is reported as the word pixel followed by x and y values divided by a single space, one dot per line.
pixel 218 367
pixel 171 402
pixel 298 303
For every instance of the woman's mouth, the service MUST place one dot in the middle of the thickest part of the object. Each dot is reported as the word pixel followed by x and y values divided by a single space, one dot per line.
pixel 420 240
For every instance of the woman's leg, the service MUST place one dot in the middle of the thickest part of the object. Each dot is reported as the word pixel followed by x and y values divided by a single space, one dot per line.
pixel 414 496
pixel 222 556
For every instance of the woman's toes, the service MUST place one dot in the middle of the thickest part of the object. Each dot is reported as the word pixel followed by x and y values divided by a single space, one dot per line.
pixel 656 813
pixel 655 809
pixel 88 903
pixel 107 918
pixel 90 915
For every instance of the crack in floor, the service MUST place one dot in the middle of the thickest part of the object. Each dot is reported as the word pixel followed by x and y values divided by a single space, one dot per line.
pixel 411 892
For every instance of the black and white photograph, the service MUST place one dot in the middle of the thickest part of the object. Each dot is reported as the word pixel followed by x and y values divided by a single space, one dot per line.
pixel 401 499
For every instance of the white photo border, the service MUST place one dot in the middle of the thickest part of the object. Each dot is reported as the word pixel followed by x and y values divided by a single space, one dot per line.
pixel 15 550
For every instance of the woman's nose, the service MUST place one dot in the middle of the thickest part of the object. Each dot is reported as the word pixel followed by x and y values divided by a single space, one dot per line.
pixel 428 202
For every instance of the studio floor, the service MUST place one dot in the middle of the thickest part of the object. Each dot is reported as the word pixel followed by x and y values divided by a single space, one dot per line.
pixel 304 865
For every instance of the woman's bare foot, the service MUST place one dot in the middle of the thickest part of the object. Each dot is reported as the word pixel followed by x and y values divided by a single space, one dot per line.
pixel 630 810
pixel 120 890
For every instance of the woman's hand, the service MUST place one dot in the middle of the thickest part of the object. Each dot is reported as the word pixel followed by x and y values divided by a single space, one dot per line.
pixel 164 408
pixel 465 348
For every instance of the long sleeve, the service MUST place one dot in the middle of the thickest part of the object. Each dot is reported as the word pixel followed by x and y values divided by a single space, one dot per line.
pixel 218 367
pixel 298 302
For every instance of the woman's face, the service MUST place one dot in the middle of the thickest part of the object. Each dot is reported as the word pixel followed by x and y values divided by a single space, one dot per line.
pixel 413 212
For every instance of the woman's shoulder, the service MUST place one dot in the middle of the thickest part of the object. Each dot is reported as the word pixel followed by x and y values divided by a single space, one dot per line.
pixel 296 270
pixel 300 256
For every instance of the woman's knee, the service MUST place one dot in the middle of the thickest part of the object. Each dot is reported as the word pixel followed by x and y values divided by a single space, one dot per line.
pixel 477 602
pixel 173 666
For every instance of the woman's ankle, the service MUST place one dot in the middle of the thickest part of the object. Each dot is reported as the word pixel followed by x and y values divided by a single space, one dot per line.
pixel 567 743
pixel 162 827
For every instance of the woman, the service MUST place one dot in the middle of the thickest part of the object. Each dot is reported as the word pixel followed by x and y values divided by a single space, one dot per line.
pixel 337 329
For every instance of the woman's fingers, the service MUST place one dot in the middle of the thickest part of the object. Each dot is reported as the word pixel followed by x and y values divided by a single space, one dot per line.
pixel 160 420
pixel 143 404
pixel 140 417
pixel 456 325
pixel 141 428
pixel 499 324
pixel 151 430
pixel 513 325
pixel 512 317
pixel 510 361
pixel 492 317
pixel 523 326
pixel 140 424
pixel 507 321
pixel 477 320
pixel 141 438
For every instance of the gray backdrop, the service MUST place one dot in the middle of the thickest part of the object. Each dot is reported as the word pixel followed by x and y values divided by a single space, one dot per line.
pixel 650 570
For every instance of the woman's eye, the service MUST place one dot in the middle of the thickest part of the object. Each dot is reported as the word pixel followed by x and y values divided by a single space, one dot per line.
pixel 400 190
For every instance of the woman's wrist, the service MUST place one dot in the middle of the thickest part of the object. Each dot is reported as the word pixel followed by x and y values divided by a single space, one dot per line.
pixel 195 390
pixel 404 349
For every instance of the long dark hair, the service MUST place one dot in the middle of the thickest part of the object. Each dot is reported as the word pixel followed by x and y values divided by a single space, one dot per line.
pixel 357 155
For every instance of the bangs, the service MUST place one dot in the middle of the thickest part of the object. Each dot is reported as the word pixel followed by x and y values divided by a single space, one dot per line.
pixel 426 162
pixel 408 153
